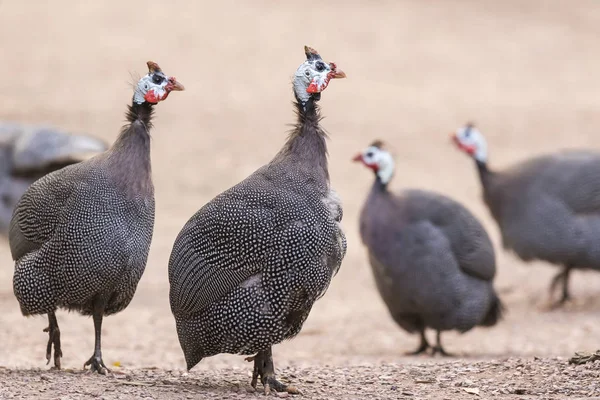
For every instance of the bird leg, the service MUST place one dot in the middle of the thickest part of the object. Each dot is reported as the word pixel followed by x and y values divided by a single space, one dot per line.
pixel 265 370
pixel 423 347
pixel 95 362
pixel 53 339
pixel 561 277
pixel 438 347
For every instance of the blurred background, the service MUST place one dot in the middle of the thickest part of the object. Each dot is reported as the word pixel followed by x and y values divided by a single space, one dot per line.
pixel 525 72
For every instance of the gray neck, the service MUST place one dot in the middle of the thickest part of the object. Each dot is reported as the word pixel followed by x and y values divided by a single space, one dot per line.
pixel 307 142
pixel 129 157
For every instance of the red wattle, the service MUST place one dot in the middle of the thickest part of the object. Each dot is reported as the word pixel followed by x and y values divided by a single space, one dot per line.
pixel 313 88
pixel 374 167
pixel 466 148
pixel 469 149
pixel 150 97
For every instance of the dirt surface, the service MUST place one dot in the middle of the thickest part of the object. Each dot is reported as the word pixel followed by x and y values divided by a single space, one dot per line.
pixel 526 72
pixel 537 378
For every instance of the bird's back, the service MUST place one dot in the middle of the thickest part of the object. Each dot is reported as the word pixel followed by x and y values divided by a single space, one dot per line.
pixel 549 208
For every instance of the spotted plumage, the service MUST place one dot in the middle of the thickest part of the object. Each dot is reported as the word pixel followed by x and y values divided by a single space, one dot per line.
pixel 81 235
pixel 247 267
pixel 30 152
pixel 432 260
pixel 547 208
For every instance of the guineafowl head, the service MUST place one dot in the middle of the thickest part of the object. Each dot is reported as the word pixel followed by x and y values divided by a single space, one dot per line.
pixel 313 76
pixel 155 86
pixel 379 160
pixel 470 140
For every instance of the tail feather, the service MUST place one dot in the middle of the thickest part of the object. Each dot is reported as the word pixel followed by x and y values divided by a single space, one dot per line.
pixel 495 312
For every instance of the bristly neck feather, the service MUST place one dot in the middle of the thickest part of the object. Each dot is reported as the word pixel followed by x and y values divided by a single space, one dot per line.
pixel 485 175
pixel 130 154
pixel 140 112
pixel 307 141
pixel 379 184
pixel 135 136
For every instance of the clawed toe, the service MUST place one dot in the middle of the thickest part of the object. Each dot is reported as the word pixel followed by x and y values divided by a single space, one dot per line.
pixel 421 350
pixel 423 346
pixel 558 304
pixel 265 371
pixel 53 341
pixel 96 365
pixel 438 349
pixel 272 383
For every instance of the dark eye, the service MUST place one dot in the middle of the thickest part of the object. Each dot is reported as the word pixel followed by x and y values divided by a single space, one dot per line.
pixel 320 66
pixel 467 132
pixel 369 154
pixel 157 79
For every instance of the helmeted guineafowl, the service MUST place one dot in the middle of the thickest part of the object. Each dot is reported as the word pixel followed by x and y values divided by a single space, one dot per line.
pixel 30 152
pixel 80 235
pixel 547 208
pixel 432 260
pixel 246 269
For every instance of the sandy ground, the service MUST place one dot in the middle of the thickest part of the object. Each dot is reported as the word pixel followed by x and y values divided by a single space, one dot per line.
pixel 526 72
